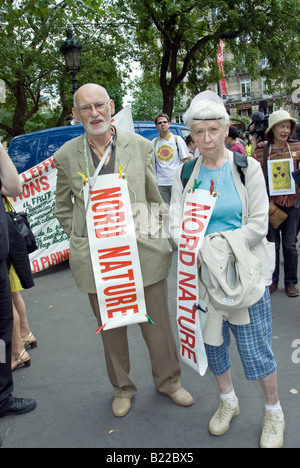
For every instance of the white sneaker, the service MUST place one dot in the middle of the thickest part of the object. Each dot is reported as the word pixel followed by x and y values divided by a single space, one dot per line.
pixel 220 422
pixel 273 431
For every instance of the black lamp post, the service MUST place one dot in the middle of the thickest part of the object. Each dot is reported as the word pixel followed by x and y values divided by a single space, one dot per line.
pixel 71 49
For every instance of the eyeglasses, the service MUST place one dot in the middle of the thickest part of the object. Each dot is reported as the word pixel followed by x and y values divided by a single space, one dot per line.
pixel 164 122
pixel 98 107
pixel 212 132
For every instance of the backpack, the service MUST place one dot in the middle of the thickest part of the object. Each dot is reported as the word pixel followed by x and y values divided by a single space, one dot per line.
pixel 240 161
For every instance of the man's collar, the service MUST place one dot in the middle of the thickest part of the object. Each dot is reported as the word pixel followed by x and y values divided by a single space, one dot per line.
pixel 168 137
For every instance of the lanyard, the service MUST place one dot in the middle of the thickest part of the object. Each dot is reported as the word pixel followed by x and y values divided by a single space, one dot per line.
pixel 92 180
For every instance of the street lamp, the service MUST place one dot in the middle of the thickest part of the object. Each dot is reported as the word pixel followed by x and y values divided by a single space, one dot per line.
pixel 71 49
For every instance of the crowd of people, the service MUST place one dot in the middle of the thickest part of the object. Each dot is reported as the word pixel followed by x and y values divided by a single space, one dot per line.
pixel 241 211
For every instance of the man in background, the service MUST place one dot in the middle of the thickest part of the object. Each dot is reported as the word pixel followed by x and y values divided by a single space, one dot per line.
pixel 170 152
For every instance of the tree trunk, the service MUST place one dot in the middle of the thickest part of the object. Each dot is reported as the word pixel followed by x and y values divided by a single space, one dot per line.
pixel 168 98
pixel 18 125
pixel 65 108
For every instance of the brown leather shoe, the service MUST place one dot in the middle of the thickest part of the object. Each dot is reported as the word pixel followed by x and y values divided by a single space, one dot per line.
pixel 292 291
pixel 121 407
pixel 182 398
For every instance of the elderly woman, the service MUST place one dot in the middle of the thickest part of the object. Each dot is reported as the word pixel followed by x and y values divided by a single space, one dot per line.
pixel 241 205
pixel 279 145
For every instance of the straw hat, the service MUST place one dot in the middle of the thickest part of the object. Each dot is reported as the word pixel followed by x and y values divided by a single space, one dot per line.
pixel 278 117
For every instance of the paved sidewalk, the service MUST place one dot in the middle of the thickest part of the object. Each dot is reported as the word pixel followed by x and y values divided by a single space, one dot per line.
pixel 68 380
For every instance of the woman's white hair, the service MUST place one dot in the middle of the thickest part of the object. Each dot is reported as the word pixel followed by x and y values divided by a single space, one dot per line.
pixel 206 106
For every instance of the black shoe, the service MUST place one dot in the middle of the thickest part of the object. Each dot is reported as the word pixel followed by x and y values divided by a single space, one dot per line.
pixel 19 406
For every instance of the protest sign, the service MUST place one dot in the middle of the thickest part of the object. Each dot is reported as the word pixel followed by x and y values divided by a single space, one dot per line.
pixel 281 181
pixel 114 252
pixel 38 201
pixel 191 311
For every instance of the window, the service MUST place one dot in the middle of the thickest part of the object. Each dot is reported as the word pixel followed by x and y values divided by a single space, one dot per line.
pixel 246 89
pixel 265 88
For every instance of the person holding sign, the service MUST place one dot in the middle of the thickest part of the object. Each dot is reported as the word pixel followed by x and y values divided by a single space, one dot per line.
pixel 239 223
pixel 280 157
pixel 96 213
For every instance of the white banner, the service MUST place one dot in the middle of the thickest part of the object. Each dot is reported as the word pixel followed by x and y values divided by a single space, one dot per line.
pixel 191 312
pixel 114 252
pixel 38 201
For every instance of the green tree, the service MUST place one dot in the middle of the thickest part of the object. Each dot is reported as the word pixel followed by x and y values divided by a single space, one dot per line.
pixel 32 66
pixel 148 99
pixel 180 37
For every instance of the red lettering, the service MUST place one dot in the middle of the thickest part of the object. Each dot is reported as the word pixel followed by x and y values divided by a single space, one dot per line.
pixel 44 183
pixel 117 289
pixel 189 340
pixel 128 299
pixel 114 252
pixel 190 353
pixel 191 242
pixel 189 277
pixel 111 266
pixel 190 256
pixel 107 218
pixel 191 217
pixel 193 229
pixel 106 206
pixel 44 261
pixel 189 311
pixel 112 231
pixel 194 211
pixel 123 310
pixel 185 319
pixel 35 267
pixel 186 295
pixel 106 193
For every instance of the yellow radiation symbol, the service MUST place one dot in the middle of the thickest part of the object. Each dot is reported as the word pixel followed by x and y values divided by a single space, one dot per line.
pixel 281 175
pixel 165 153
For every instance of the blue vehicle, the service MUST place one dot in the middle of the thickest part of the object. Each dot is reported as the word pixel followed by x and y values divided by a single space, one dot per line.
pixel 30 149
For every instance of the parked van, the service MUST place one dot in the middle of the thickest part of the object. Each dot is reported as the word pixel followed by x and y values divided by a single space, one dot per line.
pixel 30 149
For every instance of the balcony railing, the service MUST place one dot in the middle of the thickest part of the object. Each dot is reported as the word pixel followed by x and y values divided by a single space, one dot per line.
pixel 253 96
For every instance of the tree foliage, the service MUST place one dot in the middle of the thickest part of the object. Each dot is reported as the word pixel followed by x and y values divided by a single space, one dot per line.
pixel 175 41
pixel 33 67
pixel 180 38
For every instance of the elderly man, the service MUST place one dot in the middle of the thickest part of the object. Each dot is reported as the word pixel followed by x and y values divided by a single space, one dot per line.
pixel 94 108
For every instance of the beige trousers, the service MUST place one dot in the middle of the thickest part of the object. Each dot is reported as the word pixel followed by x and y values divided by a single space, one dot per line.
pixel 159 339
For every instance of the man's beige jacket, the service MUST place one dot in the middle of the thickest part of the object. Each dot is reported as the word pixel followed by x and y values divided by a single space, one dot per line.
pixel 136 155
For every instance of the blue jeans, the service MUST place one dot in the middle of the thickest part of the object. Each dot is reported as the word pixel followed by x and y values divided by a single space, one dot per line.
pixel 287 232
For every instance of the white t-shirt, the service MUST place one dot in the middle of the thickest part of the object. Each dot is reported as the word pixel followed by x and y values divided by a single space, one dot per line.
pixel 167 158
